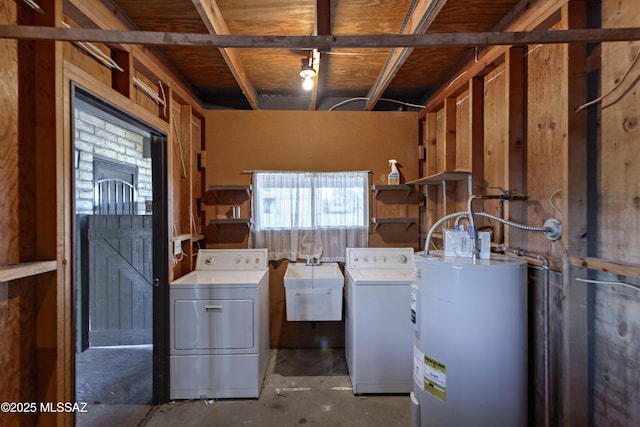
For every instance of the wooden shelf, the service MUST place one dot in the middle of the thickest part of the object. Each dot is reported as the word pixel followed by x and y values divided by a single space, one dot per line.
pixel 377 188
pixel 215 188
pixel 442 176
pixel 401 220
pixel 189 237
pixel 221 221
pixel 26 269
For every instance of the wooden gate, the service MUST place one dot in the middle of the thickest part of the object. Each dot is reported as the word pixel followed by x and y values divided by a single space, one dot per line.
pixel 120 279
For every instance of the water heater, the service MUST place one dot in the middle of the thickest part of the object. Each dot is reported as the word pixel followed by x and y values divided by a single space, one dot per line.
pixel 470 348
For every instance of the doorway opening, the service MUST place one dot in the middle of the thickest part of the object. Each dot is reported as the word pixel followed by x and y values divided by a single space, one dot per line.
pixel 120 206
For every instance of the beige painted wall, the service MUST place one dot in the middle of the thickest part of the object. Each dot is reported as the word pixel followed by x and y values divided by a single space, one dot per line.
pixel 238 141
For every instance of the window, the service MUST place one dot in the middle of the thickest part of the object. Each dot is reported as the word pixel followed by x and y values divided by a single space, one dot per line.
pixel 299 214
pixel 305 200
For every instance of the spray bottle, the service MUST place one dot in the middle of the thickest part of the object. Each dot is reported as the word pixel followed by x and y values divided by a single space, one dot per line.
pixel 394 176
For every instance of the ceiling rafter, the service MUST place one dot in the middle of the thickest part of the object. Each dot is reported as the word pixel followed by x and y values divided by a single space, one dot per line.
pixel 423 14
pixel 213 20
pixel 322 27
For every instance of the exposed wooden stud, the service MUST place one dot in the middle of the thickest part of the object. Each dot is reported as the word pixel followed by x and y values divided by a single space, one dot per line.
pixel 476 104
pixel 430 168
pixel 448 161
pixel 575 306
pixel 516 161
pixel 122 82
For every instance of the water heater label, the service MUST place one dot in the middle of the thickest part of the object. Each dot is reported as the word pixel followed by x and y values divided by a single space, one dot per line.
pixel 429 374
pixel 435 378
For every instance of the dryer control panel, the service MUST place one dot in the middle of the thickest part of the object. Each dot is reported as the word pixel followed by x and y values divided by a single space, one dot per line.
pixel 231 259
pixel 380 258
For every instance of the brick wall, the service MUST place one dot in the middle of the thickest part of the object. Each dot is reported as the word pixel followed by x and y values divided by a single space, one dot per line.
pixel 96 137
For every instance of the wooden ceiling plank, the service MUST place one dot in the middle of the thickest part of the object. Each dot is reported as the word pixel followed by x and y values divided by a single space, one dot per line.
pixel 423 14
pixel 212 17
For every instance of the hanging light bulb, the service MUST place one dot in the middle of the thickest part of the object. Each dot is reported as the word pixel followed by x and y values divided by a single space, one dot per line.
pixel 307 73
pixel 307 83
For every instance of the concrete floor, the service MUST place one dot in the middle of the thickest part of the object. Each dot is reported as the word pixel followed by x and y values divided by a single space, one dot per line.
pixel 116 384
pixel 301 387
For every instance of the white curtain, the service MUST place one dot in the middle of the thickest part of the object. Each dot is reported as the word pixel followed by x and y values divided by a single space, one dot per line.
pixel 300 215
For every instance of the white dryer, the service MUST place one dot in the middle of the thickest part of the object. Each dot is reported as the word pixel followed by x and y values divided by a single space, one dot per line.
pixel 379 332
pixel 219 343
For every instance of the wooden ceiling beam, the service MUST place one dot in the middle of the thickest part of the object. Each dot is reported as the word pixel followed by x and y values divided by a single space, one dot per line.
pixel 212 18
pixel 419 20
pixel 439 40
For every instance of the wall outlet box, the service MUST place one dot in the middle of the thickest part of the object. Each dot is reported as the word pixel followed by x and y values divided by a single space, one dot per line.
pixel 484 244
pixel 177 247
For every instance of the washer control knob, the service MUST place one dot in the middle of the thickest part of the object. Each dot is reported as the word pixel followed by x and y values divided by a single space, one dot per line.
pixel 402 259
pixel 209 260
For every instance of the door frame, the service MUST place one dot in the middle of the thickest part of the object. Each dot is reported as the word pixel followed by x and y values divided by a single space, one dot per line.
pixel 160 220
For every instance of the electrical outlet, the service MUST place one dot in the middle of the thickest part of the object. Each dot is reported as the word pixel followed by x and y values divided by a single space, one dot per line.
pixel 177 247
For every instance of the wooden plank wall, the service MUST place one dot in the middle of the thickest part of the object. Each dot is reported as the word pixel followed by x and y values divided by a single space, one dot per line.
pixel 535 141
pixel 320 141
pixel 36 216
pixel 495 146
pixel 618 163
pixel 616 323
pixel 17 298
pixel 546 131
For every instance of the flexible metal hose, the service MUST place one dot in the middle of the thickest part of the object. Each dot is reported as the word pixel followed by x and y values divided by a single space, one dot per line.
pixel 512 224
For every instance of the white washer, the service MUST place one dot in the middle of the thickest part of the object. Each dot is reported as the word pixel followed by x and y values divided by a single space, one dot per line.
pixel 219 344
pixel 379 332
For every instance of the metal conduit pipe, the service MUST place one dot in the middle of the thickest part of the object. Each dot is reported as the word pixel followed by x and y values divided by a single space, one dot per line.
pixel 546 340
pixel 552 227
pixel 511 223
pixel 461 218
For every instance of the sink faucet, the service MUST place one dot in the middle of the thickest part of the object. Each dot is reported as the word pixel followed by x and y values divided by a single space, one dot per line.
pixel 312 261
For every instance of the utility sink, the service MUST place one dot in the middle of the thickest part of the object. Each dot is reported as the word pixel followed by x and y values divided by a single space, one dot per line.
pixel 301 275
pixel 313 292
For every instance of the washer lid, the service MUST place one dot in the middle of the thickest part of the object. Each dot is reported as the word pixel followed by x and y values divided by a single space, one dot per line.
pixel 404 275
pixel 221 277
